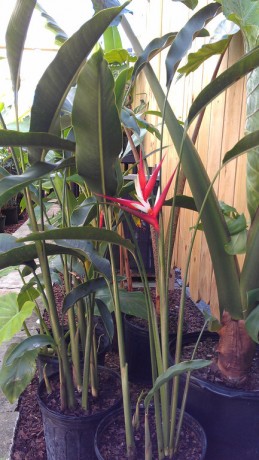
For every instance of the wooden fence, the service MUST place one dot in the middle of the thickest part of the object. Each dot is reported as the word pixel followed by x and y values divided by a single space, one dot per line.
pixel 221 127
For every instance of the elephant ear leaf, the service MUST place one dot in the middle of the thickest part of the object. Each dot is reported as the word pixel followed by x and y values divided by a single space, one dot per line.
pixel 97 126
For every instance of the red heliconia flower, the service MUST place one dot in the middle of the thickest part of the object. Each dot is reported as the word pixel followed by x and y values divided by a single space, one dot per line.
pixel 144 188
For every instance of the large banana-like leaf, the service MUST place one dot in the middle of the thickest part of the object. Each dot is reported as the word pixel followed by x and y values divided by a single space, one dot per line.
pixel 152 49
pixel 101 264
pixel 213 223
pixel 185 36
pixel 15 37
pixel 97 126
pixel 173 371
pixel 11 185
pixel 81 233
pixel 11 138
pixel 61 73
pixel 81 291
pixel 238 70
pixel 51 24
pixel 245 144
pixel 16 253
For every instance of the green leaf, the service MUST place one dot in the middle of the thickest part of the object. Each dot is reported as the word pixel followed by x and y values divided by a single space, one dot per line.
pixel 47 141
pixel 238 70
pixel 51 24
pixel 189 3
pixel 131 303
pixel 6 271
pixel 237 224
pixel 244 13
pixel 106 318
pixel 119 56
pixel 152 49
pixel 253 298
pixel 249 273
pixel 173 371
pixel 120 87
pixel 13 252
pixel 15 38
pixel 182 201
pixel 237 244
pixel 85 213
pixel 81 291
pixel 112 39
pixel 81 233
pixel 57 80
pixel 129 120
pixel 97 126
pixel 13 184
pixel 11 317
pixel 27 293
pixel 252 321
pixel 14 379
pixel 247 143
pixel 205 52
pixel 34 342
pixel 185 36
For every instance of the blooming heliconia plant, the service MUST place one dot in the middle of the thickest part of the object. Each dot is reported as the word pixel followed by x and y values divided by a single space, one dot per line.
pixel 144 188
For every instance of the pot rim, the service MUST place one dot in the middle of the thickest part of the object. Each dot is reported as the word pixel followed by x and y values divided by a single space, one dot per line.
pixel 187 417
pixel 58 415
pixel 220 389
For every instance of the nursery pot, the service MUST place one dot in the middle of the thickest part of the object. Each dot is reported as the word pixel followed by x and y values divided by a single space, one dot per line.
pixel 71 437
pixel 52 365
pixel 138 351
pixel 11 215
pixel 109 428
pixel 229 416
pixel 2 223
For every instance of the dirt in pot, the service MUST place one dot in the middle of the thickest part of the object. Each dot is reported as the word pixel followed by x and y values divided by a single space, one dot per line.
pixel 193 318
pixel 106 397
pixel 207 349
pixel 111 442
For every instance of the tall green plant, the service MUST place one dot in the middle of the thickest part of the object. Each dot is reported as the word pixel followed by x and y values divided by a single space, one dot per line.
pixel 234 291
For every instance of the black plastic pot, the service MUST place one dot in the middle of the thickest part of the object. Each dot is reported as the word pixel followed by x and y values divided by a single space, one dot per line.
pixel 138 352
pixel 52 365
pixel 11 215
pixel 197 433
pixel 230 417
pixel 71 437
pixel 2 223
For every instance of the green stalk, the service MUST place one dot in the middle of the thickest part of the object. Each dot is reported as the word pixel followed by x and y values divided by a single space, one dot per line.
pixel 164 315
pixel 121 345
pixel 72 330
pixel 86 371
pixel 155 347
pixel 186 390
pixel 81 317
